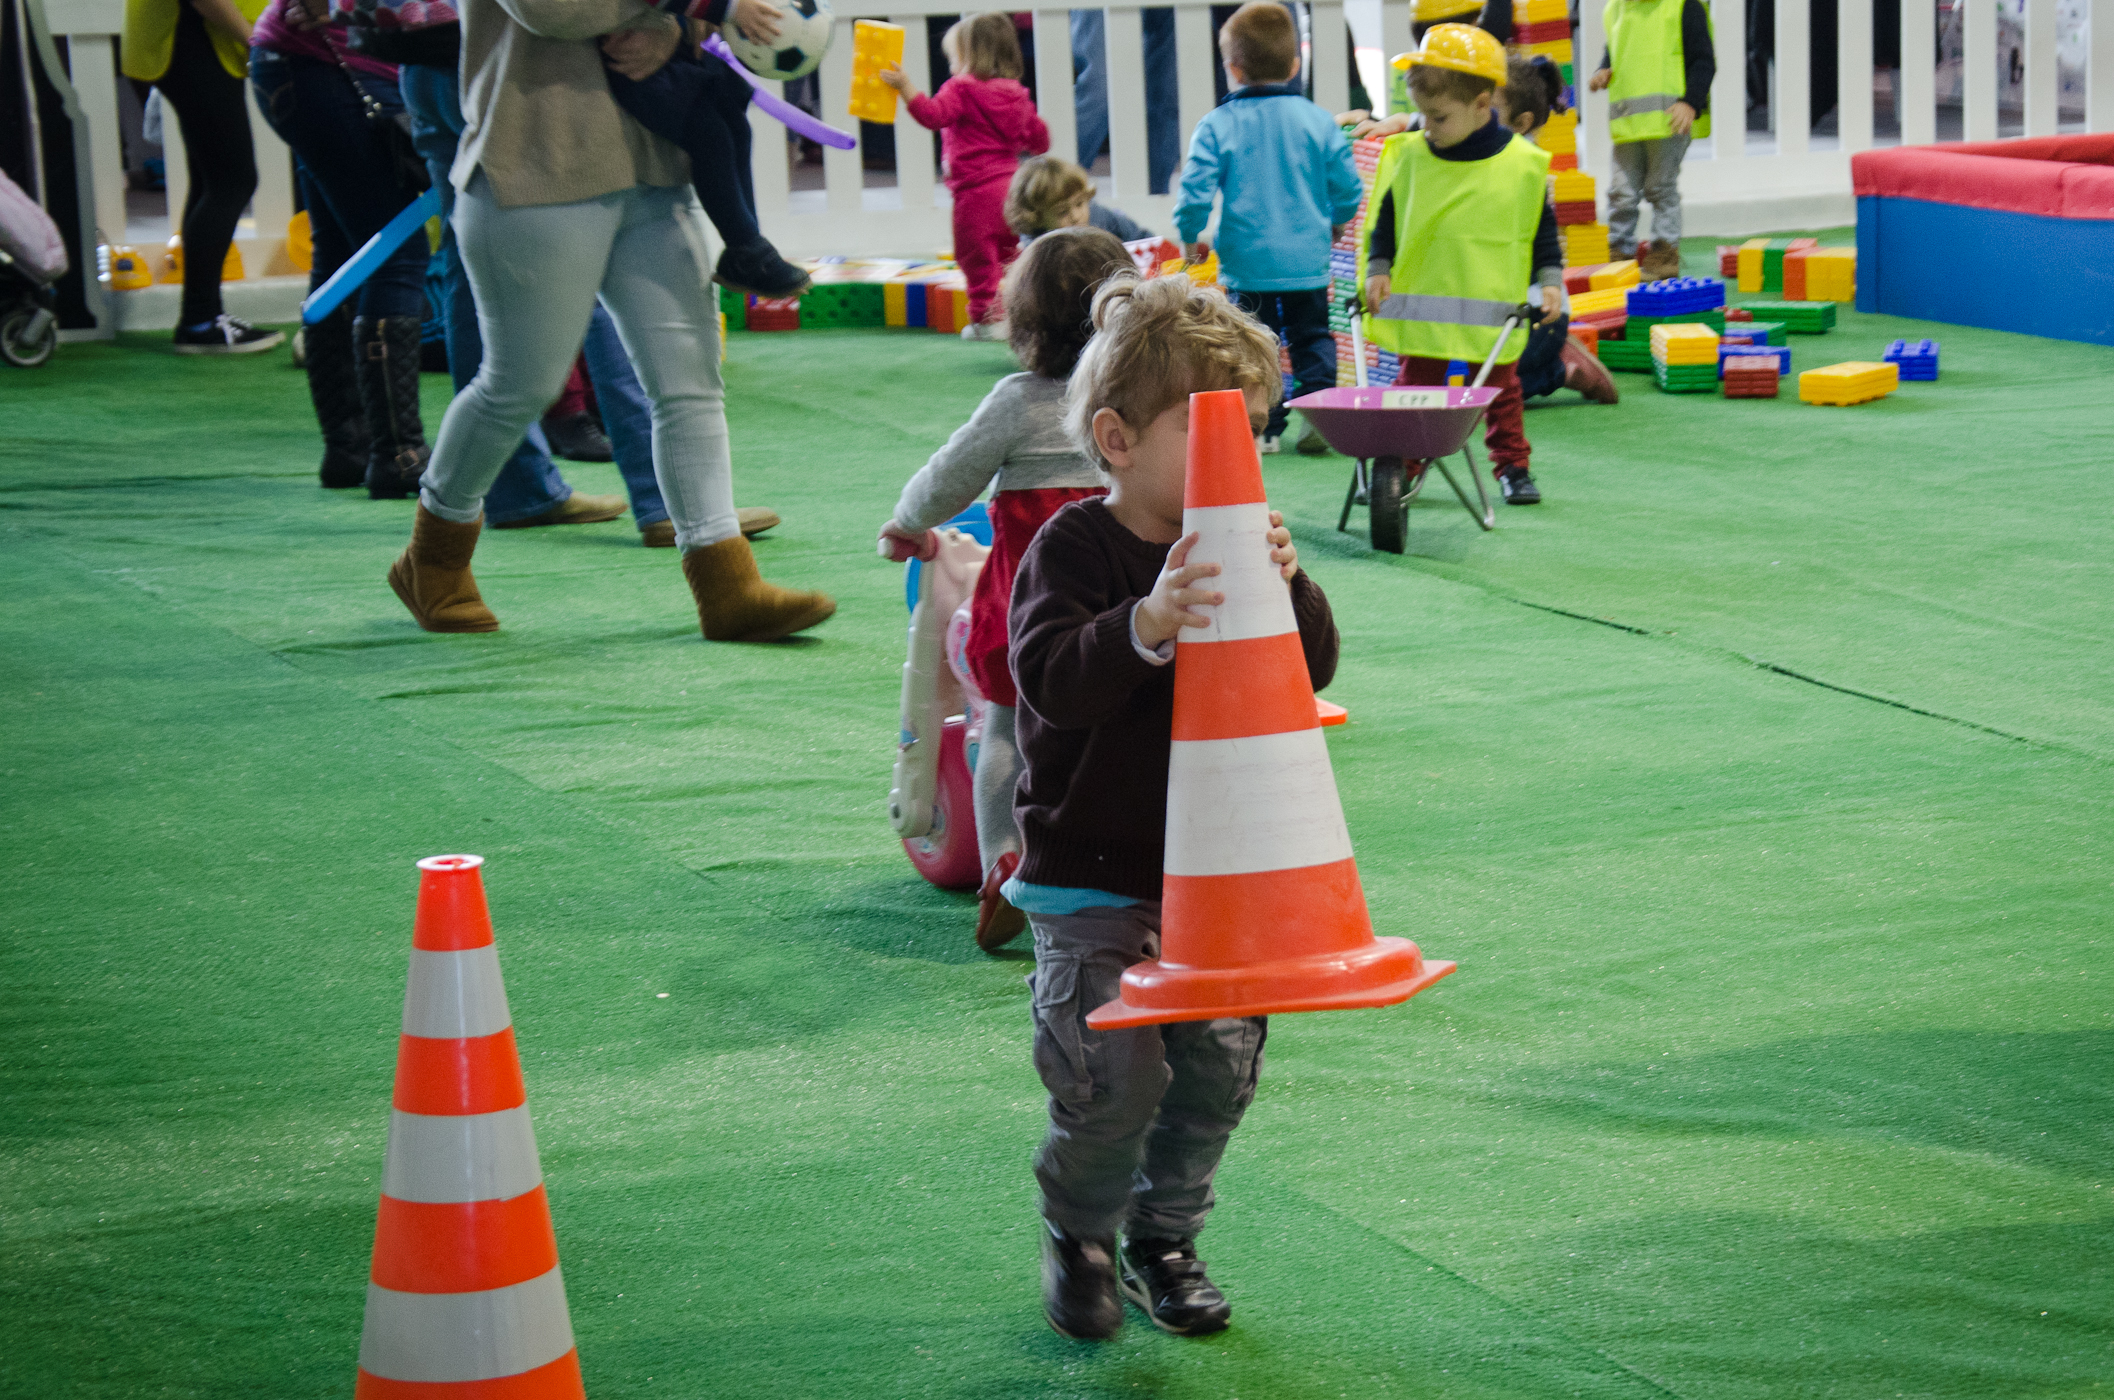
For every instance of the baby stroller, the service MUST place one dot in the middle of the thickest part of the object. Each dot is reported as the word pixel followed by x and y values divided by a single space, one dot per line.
pixel 32 259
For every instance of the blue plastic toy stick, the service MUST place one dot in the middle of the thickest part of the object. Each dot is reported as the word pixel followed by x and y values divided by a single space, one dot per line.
pixel 361 265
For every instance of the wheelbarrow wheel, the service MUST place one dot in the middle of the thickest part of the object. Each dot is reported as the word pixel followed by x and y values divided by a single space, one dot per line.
pixel 1388 507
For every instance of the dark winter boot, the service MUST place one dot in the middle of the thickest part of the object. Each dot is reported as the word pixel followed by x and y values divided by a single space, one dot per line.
pixel 387 372
pixel 337 399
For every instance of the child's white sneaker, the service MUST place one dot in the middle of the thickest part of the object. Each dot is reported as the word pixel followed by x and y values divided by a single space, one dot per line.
pixel 982 330
pixel 1267 446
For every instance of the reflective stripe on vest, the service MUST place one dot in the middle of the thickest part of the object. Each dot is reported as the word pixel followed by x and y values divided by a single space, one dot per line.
pixel 1650 69
pixel 1464 247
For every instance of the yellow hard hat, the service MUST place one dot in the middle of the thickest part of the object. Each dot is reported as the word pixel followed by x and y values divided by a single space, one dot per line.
pixel 1463 48
pixel 1431 11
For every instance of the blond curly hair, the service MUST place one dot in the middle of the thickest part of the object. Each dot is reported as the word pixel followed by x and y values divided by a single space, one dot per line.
pixel 1043 191
pixel 1157 342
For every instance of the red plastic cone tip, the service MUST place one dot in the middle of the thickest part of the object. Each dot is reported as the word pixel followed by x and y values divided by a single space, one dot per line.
pixel 451 909
pixel 1223 469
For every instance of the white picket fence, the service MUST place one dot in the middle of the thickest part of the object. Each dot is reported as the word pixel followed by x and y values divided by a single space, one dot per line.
pixel 1735 183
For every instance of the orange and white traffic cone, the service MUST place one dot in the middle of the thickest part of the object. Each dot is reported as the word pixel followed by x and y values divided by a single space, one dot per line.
pixel 1261 911
pixel 464 1299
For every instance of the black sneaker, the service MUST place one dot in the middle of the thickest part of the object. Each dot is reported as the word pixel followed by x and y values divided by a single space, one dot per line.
pixel 578 438
pixel 756 267
pixel 1166 1280
pixel 1519 487
pixel 1079 1286
pixel 225 335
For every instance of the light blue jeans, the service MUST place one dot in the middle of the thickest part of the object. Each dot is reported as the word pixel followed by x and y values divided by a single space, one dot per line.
pixel 529 484
pixel 1646 171
pixel 536 272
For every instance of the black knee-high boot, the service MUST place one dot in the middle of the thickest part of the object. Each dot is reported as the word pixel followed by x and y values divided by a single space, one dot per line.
pixel 334 392
pixel 387 373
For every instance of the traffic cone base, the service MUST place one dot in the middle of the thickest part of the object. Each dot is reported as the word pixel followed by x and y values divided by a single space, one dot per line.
pixel 498 1339
pixel 560 1380
pixel 1381 973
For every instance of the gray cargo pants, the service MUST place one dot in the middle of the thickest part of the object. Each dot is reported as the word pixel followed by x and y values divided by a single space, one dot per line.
pixel 1138 1118
pixel 1646 171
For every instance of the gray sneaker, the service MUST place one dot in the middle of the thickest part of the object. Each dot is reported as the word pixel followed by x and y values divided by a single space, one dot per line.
pixel 1310 442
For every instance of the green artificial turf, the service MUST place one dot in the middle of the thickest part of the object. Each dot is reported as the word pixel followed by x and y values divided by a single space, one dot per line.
pixel 1759 781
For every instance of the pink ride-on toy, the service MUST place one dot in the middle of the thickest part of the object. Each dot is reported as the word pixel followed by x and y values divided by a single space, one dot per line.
pixel 932 804
pixel 1402 433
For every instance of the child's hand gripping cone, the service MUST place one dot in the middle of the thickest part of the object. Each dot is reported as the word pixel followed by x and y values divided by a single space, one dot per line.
pixel 1261 909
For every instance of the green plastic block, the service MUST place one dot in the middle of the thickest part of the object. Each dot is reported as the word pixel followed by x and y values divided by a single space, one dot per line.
pixel 737 308
pixel 1626 354
pixel 1640 327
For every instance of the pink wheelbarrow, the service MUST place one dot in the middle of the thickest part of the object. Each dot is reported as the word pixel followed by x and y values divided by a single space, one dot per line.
pixel 1397 434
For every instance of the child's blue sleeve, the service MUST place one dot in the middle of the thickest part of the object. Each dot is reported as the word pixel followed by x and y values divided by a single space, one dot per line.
pixel 1200 175
pixel 1345 191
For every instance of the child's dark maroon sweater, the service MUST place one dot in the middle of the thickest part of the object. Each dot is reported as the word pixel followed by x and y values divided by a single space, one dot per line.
pixel 1095 717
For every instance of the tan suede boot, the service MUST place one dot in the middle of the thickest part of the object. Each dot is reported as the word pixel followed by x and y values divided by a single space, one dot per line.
pixel 734 604
pixel 432 576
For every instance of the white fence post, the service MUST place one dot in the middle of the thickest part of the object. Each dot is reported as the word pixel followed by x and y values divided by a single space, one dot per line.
pixel 1728 90
pixel 1053 80
pixel 1596 151
pixel 914 169
pixel 1916 96
pixel 1394 39
pixel 2040 98
pixel 1195 60
pixel 843 177
pixel 1791 110
pixel 1124 51
pixel 1332 56
pixel 2099 73
pixel 1978 69
pixel 1853 74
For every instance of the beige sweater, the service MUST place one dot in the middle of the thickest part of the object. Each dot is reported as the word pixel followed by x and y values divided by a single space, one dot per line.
pixel 538 117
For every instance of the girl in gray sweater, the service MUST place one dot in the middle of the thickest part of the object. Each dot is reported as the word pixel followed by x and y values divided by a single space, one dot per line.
pixel 1014 443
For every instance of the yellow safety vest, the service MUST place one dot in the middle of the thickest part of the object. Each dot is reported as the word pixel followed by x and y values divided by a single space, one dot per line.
pixel 1650 70
pixel 149 40
pixel 1464 248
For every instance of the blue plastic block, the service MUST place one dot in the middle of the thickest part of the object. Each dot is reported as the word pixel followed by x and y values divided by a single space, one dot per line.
pixel 1918 358
pixel 1676 296
pixel 1780 353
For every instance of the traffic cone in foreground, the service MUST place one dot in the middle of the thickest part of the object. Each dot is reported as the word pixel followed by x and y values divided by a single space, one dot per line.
pixel 1260 909
pixel 464 1299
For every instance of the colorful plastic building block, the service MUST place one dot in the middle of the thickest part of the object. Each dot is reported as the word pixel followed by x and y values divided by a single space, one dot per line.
pixel 874 47
pixel 1728 352
pixel 1831 274
pixel 1592 303
pixel 1853 381
pixel 1676 295
pixel 1751 377
pixel 1754 332
pixel 1761 261
pixel 1729 261
pixel 774 313
pixel 1799 317
pixel 1625 354
pixel 1585 245
pixel 1918 358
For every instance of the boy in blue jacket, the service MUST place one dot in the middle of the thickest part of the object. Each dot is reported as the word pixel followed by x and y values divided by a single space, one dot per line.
pixel 1290 187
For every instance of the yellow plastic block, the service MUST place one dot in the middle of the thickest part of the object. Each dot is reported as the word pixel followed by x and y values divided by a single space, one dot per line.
pixel 1684 343
pixel 1539 11
pixel 1555 50
pixel 1585 245
pixel 1831 274
pixel 1853 381
pixel 894 308
pixel 1593 303
pixel 300 242
pixel 1617 274
pixel 1569 186
pixel 874 46
pixel 1204 274
pixel 1751 264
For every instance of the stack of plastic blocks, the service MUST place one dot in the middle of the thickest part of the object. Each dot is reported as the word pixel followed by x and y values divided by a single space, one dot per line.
pixel 844 294
pixel 1585 245
pixel 1732 350
pixel 1588 338
pixel 1343 268
pixel 1544 27
pixel 1573 193
pixel 1854 381
pixel 1821 274
pixel 1146 254
pixel 1729 261
pixel 1799 317
pixel 927 298
pixel 1918 358
pixel 1685 358
pixel 1750 376
pixel 1762 262
pixel 1676 296
pixel 1594 278
pixel 1753 332
pixel 1559 137
pixel 1618 352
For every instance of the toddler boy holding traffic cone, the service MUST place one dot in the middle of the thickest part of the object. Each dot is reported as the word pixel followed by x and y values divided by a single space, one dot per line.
pixel 1138 1117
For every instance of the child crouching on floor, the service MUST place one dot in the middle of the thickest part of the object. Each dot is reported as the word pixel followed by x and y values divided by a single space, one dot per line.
pixel 1014 443
pixel 1140 1117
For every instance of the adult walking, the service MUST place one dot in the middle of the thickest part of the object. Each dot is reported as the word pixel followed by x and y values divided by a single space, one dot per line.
pixel 196 53
pixel 563 198
pixel 340 113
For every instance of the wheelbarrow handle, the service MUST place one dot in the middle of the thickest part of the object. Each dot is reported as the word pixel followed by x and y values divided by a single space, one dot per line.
pixel 1521 313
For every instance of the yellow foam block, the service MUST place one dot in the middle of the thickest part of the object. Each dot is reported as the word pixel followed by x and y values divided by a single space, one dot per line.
pixel 1684 343
pixel 1569 186
pixel 1539 11
pixel 1555 50
pixel 1585 245
pixel 874 46
pixel 1617 274
pixel 1595 302
pixel 1204 274
pixel 1751 264
pixel 1853 381
pixel 1831 274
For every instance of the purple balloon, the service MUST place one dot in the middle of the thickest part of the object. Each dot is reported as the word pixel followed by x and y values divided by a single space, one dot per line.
pixel 814 128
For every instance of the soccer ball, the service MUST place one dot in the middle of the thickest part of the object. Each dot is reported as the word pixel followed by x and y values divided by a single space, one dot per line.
pixel 800 45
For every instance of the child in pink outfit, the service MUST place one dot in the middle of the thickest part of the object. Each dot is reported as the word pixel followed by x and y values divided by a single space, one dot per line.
pixel 986 122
